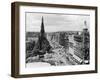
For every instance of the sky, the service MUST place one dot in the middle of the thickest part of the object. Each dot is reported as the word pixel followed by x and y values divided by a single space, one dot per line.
pixel 56 22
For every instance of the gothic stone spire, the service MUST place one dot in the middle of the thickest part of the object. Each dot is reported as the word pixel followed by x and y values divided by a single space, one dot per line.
pixel 42 32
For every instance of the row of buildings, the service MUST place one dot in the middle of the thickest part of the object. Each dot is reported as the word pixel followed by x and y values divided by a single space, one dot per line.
pixel 82 45
pixel 76 43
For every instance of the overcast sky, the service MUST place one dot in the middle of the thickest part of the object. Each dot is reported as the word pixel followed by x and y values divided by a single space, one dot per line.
pixel 56 22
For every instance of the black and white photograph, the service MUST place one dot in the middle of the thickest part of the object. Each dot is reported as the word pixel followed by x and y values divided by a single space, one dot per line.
pixel 56 39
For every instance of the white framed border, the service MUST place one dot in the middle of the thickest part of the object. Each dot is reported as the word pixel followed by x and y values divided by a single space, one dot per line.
pixel 53 69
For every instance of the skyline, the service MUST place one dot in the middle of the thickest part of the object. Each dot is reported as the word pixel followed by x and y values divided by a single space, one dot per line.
pixel 56 22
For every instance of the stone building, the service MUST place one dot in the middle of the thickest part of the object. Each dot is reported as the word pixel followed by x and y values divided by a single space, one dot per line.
pixel 42 46
pixel 82 45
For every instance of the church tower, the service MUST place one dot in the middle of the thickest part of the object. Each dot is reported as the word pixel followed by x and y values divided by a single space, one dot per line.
pixel 42 36
pixel 42 46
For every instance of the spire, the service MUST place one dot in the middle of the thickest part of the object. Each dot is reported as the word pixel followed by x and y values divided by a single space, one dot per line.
pixel 42 27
